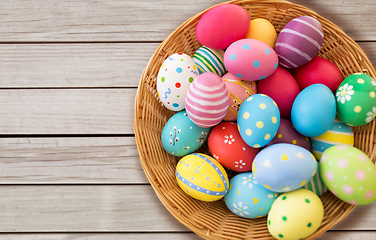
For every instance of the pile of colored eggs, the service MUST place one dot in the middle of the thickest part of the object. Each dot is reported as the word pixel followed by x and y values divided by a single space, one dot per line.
pixel 272 111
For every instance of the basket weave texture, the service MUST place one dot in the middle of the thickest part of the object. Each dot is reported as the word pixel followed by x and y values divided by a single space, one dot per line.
pixel 213 220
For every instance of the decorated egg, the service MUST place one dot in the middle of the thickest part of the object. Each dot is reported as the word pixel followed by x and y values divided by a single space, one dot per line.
pixel 349 174
pixel 295 215
pixel 299 41
pixel 246 198
pixel 250 59
pixel 258 120
pixel 313 110
pixel 284 167
pixel 338 134
pixel 180 136
pixel 210 60
pixel 227 147
pixel 356 99
pixel 282 88
pixel 318 70
pixel 174 78
pixel 287 134
pixel 207 100
pixel 262 30
pixel 238 91
pixel 202 177
pixel 316 185
pixel 222 25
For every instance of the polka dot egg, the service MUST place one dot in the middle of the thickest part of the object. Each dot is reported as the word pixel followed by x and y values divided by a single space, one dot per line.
pixel 258 120
pixel 250 59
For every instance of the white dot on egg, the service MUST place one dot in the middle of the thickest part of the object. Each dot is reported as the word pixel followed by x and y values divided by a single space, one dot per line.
pixel 330 163
pixel 243 148
pixel 360 188
pixel 334 186
pixel 344 177
pixel 190 128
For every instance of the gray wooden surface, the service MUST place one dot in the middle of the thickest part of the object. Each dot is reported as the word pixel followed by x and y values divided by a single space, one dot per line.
pixel 69 70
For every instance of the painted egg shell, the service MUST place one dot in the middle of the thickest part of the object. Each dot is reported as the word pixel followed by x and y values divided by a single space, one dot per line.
pixel 262 30
pixel 287 134
pixel 246 198
pixel 284 167
pixel 222 25
pixel 295 215
pixel 258 120
pixel 202 177
pixel 316 185
pixel 338 134
pixel 349 174
pixel 282 88
pixel 356 99
pixel 318 70
pixel 250 59
pixel 299 41
pixel 174 78
pixel 207 100
pixel 227 147
pixel 238 91
pixel 314 110
pixel 210 60
pixel 180 136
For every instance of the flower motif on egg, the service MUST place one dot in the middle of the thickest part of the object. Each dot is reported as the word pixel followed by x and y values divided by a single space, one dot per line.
pixel 239 209
pixel 229 139
pixel 371 115
pixel 344 93
pixel 240 164
pixel 247 180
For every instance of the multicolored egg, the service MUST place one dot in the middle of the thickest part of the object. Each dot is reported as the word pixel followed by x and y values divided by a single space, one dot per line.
pixel 250 59
pixel 299 41
pixel 246 198
pixel 202 177
pixel 210 60
pixel 316 185
pixel 207 100
pixel 262 30
pixel 174 78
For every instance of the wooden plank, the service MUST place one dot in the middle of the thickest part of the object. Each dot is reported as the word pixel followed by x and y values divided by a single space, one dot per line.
pixel 145 20
pixel 62 111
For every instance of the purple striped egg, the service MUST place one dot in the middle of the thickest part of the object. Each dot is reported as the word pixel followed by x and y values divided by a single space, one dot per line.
pixel 299 41
pixel 206 101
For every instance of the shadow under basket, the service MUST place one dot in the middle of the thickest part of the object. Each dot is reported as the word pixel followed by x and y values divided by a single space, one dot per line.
pixel 212 220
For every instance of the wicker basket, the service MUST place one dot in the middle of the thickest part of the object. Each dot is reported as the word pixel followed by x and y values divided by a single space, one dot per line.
pixel 214 220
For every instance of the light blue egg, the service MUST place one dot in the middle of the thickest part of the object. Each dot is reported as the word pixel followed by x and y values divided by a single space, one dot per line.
pixel 247 198
pixel 258 120
pixel 180 136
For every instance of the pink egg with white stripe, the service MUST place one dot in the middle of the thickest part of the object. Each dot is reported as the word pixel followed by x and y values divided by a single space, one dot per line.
pixel 299 41
pixel 206 101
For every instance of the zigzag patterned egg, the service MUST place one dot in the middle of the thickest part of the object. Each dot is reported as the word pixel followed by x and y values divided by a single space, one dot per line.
pixel 210 60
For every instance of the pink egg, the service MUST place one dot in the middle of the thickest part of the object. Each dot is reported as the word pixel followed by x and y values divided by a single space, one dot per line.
pixel 250 59
pixel 206 101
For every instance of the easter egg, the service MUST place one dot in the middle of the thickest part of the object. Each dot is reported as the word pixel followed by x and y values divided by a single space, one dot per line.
pixel 258 120
pixel 338 134
pixel 207 100
pixel 318 70
pixel 250 59
pixel 222 25
pixel 202 177
pixel 316 185
pixel 180 136
pixel 210 60
pixel 282 88
pixel 227 147
pixel 314 110
pixel 349 174
pixel 287 134
pixel 299 41
pixel 174 78
pixel 246 198
pixel 262 30
pixel 284 167
pixel 356 99
pixel 295 215
pixel 238 91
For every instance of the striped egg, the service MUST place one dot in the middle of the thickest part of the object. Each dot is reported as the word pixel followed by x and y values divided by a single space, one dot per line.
pixel 206 101
pixel 316 185
pixel 210 60
pixel 299 41
pixel 338 134
pixel 202 177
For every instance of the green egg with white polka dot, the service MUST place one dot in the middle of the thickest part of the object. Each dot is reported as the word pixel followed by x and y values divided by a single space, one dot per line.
pixel 356 99
pixel 295 215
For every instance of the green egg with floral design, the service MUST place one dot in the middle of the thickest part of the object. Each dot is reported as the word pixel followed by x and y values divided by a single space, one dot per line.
pixel 356 99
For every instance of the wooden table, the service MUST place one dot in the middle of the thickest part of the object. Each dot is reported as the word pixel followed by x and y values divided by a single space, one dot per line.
pixel 69 71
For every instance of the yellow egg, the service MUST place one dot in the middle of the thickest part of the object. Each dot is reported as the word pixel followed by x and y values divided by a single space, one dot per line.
pixel 262 30
pixel 202 177
pixel 295 215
